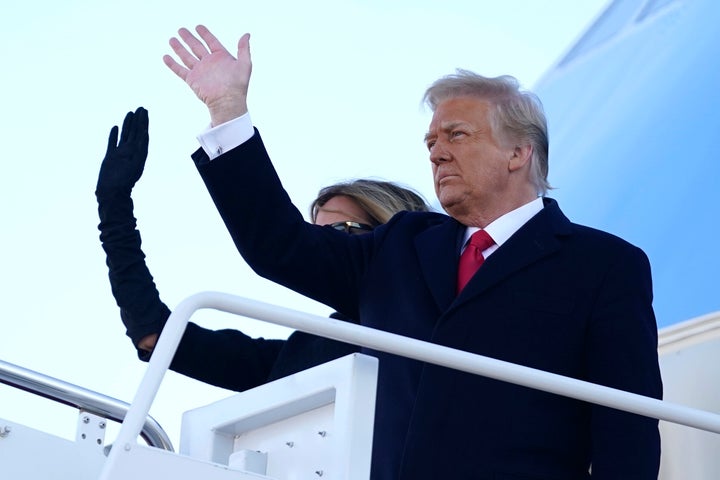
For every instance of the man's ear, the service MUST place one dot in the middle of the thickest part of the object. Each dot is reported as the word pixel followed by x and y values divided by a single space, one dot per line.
pixel 521 156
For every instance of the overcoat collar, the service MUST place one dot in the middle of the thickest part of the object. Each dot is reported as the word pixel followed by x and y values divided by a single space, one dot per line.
pixel 438 250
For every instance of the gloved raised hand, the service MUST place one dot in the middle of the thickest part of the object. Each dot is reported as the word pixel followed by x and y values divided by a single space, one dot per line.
pixel 141 309
pixel 124 161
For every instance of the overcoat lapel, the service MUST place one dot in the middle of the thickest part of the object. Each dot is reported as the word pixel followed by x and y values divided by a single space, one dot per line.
pixel 535 240
pixel 437 249
pixel 438 252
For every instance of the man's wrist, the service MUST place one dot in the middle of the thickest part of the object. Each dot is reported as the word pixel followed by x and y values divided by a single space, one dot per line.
pixel 227 110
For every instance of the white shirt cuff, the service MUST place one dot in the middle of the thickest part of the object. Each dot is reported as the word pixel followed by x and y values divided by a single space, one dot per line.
pixel 226 136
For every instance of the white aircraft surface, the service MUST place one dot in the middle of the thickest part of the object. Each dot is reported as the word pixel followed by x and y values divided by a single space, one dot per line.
pixel 634 116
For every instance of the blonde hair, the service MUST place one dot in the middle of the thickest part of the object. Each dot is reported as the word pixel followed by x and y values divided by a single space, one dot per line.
pixel 379 199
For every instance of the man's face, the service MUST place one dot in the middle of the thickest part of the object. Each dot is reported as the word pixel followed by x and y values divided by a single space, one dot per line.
pixel 470 163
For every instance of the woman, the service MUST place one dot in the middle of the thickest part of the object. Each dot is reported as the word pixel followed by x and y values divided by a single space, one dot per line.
pixel 214 356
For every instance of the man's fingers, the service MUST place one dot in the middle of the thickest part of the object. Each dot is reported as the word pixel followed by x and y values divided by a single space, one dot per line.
pixel 186 57
pixel 178 69
pixel 211 40
pixel 244 47
pixel 196 46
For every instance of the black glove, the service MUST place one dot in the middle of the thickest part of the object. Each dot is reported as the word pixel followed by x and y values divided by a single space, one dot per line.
pixel 141 309
pixel 124 162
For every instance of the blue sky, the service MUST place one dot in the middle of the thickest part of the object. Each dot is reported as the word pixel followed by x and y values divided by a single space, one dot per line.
pixel 336 92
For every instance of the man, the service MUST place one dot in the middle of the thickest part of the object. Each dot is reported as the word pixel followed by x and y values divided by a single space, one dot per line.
pixel 550 294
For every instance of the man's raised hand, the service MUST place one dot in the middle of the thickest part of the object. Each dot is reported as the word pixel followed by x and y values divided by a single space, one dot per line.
pixel 218 78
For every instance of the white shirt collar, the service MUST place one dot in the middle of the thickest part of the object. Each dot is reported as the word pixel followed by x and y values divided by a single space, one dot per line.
pixel 505 226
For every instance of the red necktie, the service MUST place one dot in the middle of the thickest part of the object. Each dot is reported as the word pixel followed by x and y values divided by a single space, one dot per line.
pixel 472 257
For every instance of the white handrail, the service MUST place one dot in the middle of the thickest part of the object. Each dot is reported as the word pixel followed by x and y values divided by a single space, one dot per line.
pixel 391 343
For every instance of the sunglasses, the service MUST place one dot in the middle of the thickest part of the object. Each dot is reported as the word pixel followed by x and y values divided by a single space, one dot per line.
pixel 351 227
